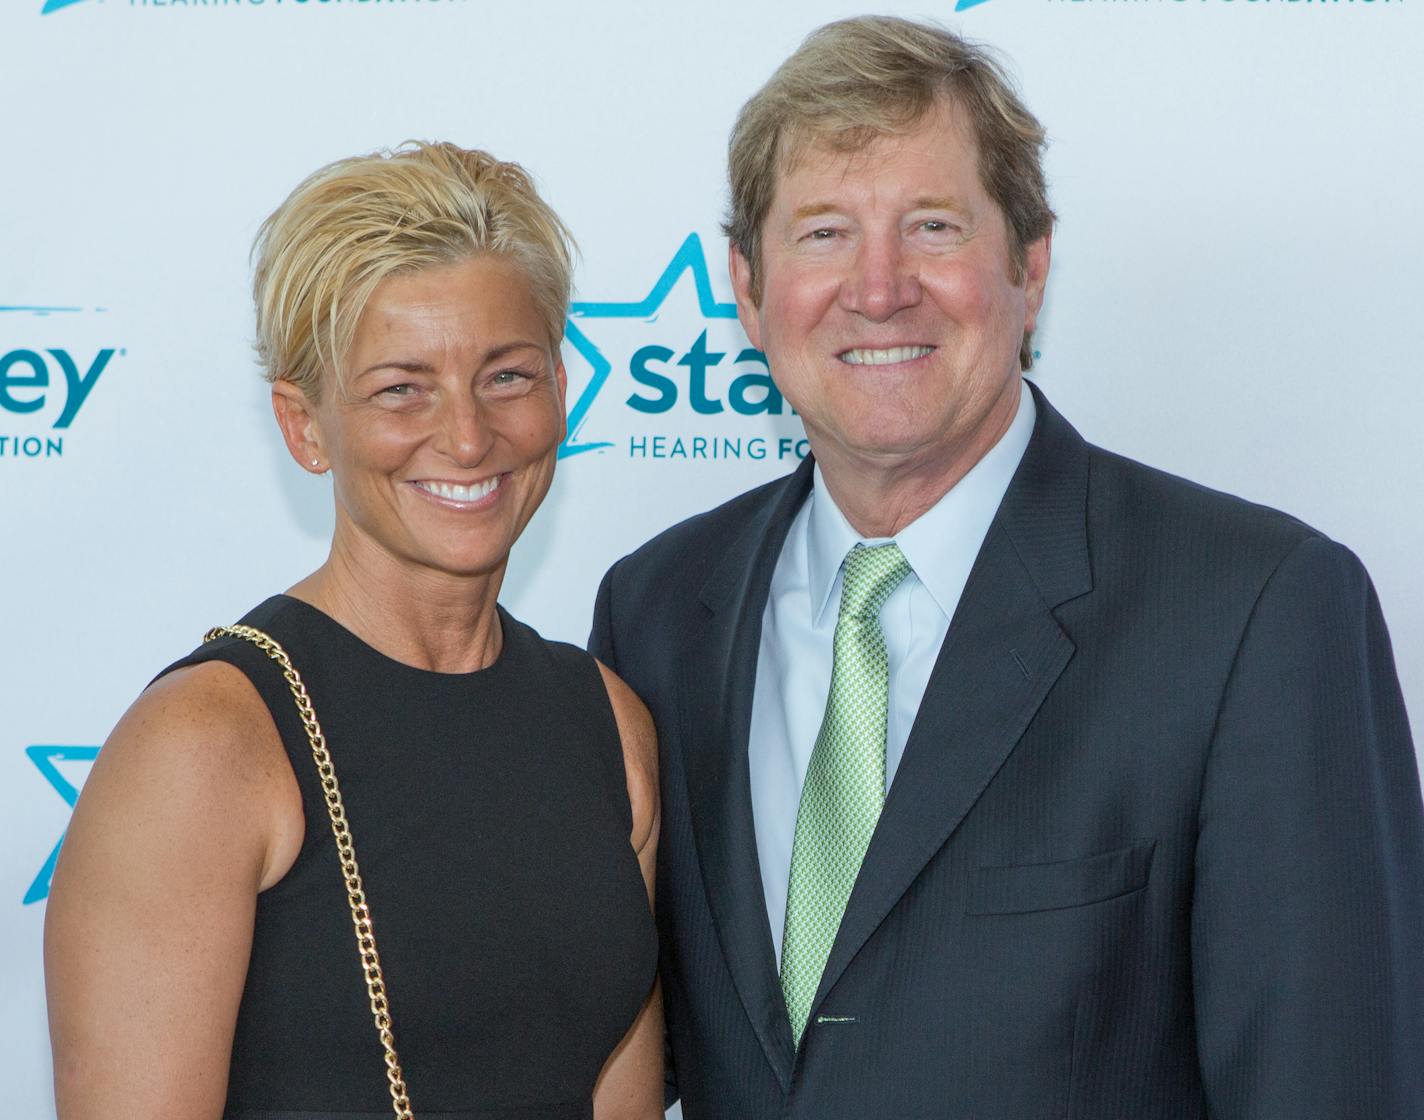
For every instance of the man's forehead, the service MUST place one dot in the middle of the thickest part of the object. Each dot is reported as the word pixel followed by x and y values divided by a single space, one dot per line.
pixel 852 149
pixel 850 154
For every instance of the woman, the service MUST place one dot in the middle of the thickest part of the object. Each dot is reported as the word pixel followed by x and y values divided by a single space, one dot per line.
pixel 500 790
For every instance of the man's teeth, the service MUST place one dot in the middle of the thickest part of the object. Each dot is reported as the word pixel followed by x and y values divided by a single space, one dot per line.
pixel 458 493
pixel 885 357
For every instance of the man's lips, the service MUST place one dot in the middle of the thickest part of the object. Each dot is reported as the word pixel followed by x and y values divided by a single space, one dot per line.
pixel 884 356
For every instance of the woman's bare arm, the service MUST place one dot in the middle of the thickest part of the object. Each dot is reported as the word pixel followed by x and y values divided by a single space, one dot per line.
pixel 631 1084
pixel 190 811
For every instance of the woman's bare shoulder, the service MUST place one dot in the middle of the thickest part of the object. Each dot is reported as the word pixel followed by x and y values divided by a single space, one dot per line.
pixel 186 816
pixel 213 696
pixel 198 747
pixel 640 754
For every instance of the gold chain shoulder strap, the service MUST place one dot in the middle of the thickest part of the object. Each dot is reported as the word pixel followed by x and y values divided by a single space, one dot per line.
pixel 346 850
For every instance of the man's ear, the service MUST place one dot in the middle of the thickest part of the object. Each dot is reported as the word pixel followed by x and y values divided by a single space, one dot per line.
pixel 747 313
pixel 1037 258
pixel 297 419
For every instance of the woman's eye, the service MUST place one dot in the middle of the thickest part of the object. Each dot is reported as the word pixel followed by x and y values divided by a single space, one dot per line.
pixel 403 390
pixel 822 234
pixel 509 376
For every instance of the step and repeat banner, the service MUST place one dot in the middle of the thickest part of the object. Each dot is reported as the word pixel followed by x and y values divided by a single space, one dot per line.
pixel 1237 274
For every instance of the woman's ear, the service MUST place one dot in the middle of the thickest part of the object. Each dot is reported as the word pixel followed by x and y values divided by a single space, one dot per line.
pixel 297 419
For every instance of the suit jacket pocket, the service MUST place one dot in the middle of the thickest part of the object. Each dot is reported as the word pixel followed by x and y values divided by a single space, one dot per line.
pixel 1025 888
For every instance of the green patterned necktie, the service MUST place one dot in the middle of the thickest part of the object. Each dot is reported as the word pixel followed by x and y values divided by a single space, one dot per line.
pixel 845 781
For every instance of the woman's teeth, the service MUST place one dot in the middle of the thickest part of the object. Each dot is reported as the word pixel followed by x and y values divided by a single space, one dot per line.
pixel 457 493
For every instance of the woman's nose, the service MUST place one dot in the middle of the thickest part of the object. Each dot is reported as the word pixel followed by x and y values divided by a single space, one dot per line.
pixel 465 434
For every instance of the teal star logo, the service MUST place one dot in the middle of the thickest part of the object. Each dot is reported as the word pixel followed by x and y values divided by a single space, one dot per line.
pixel 46 759
pixel 960 5
pixel 56 5
pixel 690 257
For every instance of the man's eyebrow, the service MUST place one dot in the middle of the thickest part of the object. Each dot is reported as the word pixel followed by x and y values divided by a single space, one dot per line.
pixel 938 202
pixel 813 210
pixel 924 202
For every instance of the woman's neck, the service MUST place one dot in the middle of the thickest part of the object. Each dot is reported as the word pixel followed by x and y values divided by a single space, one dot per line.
pixel 416 615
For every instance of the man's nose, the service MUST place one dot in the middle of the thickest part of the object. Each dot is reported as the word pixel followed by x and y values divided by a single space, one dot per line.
pixel 882 280
pixel 464 434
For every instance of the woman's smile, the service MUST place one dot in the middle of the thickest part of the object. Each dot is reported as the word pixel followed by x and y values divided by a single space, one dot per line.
pixel 461 496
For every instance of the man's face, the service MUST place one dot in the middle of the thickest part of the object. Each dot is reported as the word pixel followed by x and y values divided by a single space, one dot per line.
pixel 890 314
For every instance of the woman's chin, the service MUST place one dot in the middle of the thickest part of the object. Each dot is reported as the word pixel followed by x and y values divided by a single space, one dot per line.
pixel 468 567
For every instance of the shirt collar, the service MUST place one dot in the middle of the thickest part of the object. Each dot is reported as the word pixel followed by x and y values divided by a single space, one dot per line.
pixel 942 542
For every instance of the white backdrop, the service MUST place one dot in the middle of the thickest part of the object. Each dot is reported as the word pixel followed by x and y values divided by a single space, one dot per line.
pixel 1233 298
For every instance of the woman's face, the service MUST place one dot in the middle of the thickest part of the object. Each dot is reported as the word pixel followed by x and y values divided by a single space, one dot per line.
pixel 443 439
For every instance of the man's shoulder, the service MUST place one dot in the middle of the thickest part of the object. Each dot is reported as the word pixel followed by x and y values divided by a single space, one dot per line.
pixel 689 550
pixel 1136 510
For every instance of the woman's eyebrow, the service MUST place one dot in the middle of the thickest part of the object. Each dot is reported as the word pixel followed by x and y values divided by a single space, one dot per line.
pixel 409 365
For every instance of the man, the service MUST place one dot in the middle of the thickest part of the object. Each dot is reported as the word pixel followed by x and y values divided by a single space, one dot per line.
pixel 1003 777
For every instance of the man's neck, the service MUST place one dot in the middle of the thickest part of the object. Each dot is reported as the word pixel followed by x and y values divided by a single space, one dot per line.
pixel 880 495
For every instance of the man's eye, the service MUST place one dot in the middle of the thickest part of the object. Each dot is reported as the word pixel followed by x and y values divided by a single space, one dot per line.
pixel 509 376
pixel 934 225
pixel 822 234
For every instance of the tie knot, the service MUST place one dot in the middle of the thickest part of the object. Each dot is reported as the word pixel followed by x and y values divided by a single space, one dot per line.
pixel 870 575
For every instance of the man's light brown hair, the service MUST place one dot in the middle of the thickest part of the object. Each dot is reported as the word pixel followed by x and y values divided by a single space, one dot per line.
pixel 358 221
pixel 858 79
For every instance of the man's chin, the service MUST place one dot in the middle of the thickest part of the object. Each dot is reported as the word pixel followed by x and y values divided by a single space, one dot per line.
pixel 884 441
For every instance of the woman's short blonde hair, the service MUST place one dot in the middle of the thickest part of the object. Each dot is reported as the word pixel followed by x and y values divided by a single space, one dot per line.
pixel 858 79
pixel 358 221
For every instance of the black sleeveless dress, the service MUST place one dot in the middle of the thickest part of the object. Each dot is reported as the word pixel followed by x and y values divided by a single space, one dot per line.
pixel 491 822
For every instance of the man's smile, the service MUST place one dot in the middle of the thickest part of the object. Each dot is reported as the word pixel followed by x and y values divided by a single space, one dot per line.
pixel 888 356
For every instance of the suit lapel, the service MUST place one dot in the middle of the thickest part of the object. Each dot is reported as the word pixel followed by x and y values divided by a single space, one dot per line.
pixel 718 685
pixel 1002 654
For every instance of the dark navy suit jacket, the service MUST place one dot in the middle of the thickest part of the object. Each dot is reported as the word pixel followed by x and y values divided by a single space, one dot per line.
pixel 1154 851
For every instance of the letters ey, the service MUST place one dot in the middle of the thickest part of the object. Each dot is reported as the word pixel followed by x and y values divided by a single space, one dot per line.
pixel 28 373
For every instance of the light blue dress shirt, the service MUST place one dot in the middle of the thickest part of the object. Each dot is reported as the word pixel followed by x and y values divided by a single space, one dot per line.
pixel 793 674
